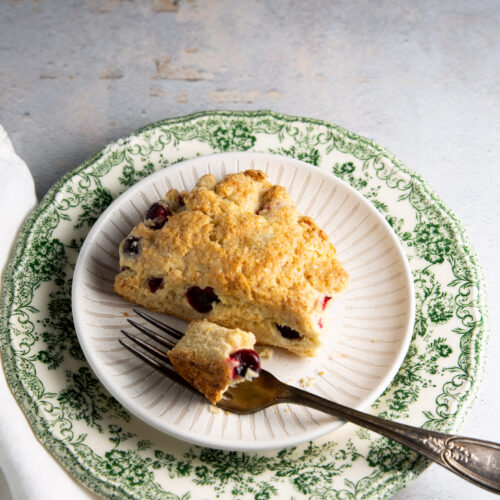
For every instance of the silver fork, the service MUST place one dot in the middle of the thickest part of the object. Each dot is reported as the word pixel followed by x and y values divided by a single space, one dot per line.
pixel 476 460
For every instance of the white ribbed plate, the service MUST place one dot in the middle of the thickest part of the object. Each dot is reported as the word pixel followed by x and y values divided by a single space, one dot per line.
pixel 373 327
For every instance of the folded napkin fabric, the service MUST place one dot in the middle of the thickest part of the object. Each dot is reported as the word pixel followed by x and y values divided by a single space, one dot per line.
pixel 30 471
pixel 17 195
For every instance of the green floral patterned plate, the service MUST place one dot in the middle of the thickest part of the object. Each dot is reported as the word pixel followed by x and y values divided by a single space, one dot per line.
pixel 117 456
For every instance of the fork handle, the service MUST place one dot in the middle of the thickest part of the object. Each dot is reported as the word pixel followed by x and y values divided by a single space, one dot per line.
pixel 473 459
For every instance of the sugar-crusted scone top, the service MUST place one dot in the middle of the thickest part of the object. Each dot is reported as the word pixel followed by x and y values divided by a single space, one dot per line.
pixel 244 239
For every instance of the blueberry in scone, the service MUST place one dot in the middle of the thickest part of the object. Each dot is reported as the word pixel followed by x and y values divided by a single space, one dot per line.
pixel 212 358
pixel 239 253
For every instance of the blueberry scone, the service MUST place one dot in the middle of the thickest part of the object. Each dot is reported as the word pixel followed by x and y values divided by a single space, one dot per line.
pixel 212 358
pixel 238 253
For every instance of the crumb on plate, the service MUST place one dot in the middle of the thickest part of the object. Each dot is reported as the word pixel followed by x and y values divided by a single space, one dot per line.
pixel 266 353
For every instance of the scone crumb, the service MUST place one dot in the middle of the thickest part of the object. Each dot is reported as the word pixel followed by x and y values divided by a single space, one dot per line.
pixel 307 382
pixel 207 181
pixel 266 353
pixel 321 373
pixel 257 175
pixel 215 409
pixel 126 314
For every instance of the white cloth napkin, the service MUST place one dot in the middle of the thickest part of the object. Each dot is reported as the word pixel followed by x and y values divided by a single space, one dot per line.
pixel 30 471
pixel 17 191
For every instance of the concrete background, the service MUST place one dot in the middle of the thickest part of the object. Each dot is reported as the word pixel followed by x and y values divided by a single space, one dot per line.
pixel 421 78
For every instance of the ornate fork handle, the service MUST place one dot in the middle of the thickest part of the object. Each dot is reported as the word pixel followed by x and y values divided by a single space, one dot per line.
pixel 473 459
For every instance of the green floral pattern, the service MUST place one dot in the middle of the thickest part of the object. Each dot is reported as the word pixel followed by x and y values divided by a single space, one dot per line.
pixel 120 457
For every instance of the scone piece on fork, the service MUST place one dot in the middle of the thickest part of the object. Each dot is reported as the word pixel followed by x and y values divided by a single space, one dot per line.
pixel 212 358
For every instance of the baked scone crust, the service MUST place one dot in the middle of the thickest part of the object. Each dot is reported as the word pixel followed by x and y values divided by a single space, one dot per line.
pixel 201 357
pixel 244 238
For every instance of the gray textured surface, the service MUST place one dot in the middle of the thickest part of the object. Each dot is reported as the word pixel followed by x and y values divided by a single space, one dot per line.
pixel 422 78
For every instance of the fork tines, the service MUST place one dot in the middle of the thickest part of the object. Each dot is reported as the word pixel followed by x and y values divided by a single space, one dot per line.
pixel 156 336
pixel 161 326
pixel 158 364
pixel 151 354
pixel 161 339
pixel 161 354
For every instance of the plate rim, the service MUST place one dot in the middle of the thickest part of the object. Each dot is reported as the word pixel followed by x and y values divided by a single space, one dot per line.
pixel 235 445
pixel 26 403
